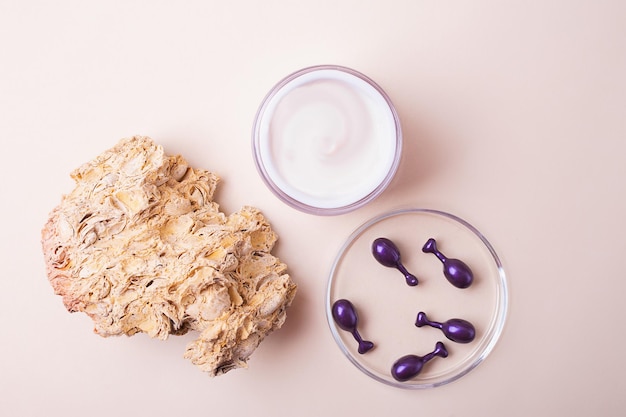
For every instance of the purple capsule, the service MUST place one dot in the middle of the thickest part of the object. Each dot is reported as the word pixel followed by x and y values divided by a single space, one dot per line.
pixel 456 271
pixel 457 330
pixel 344 314
pixel 388 254
pixel 409 366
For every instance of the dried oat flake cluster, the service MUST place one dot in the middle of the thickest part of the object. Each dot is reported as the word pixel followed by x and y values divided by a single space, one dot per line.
pixel 141 246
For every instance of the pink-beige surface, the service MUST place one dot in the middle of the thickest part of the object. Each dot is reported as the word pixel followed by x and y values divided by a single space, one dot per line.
pixel 513 119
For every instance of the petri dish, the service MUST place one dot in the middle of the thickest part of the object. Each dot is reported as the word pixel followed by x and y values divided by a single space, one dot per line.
pixel 387 307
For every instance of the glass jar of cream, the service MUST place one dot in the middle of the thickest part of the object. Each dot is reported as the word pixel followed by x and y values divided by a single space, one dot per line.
pixel 327 140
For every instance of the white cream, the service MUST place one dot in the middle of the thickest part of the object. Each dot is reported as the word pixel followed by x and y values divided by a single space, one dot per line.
pixel 328 139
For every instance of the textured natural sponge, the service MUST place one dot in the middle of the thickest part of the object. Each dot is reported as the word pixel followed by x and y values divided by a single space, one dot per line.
pixel 140 246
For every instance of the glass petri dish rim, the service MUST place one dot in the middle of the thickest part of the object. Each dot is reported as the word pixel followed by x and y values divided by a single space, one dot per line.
pixel 499 318
pixel 293 202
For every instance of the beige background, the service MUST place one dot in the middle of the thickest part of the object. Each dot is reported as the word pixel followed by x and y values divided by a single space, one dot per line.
pixel 514 119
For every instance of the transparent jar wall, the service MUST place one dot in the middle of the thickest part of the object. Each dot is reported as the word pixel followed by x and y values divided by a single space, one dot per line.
pixel 265 161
